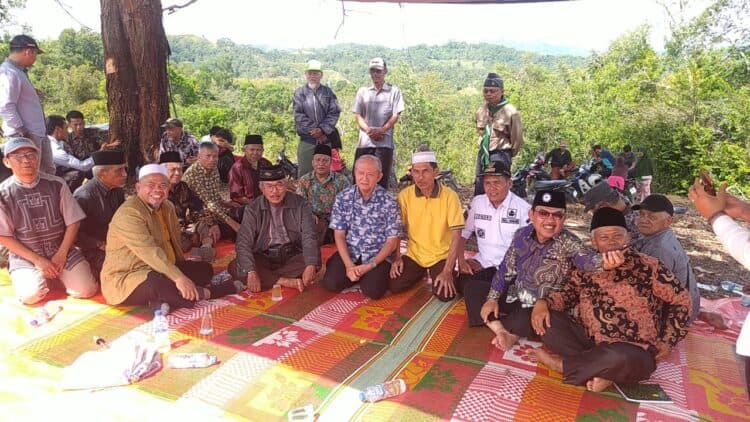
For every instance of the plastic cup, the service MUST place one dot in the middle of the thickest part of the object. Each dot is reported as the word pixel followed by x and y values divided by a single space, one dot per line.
pixel 276 293
pixel 207 325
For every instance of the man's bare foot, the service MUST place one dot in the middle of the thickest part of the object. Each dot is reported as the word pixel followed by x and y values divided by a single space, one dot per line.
pixel 713 319
pixel 553 362
pixel 597 384
pixel 294 283
pixel 504 340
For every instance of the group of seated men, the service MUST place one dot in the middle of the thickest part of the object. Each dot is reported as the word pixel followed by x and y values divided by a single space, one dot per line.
pixel 607 313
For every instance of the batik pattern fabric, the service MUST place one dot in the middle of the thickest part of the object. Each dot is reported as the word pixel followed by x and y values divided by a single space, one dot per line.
pixel 321 195
pixel 207 185
pixel 639 302
pixel 531 270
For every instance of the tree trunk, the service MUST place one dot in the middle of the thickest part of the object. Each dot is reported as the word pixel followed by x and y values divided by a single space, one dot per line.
pixel 135 57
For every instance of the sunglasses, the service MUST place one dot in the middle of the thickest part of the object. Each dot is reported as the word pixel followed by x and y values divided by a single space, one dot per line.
pixel 544 214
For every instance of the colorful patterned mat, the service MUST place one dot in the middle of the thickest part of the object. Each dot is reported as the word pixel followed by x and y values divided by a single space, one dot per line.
pixel 319 348
pixel 275 355
pixel 456 374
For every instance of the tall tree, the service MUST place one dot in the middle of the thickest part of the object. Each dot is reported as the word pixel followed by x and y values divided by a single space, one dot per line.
pixel 135 64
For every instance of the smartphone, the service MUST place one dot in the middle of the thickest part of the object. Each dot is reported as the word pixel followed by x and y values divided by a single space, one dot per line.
pixel 708 184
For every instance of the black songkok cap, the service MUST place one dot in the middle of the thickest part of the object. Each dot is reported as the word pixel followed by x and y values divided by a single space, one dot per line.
pixel 655 203
pixel 550 199
pixel 253 140
pixel 108 158
pixel 322 149
pixel 606 216
pixel 170 157
pixel 271 173
pixel 493 80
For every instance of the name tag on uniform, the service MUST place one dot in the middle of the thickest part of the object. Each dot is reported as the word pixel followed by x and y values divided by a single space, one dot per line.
pixel 511 217
pixel 483 217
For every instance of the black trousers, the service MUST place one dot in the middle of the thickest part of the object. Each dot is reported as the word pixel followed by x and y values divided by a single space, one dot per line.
pixel 386 159
pixel 475 287
pixel 504 155
pixel 412 273
pixel 95 258
pixel 584 360
pixel 374 284
pixel 293 268
pixel 158 289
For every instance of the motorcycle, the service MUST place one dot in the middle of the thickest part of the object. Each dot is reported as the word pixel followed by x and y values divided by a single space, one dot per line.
pixel 290 169
pixel 529 176
pixel 587 177
pixel 565 186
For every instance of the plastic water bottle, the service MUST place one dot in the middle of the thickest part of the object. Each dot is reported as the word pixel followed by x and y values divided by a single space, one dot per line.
pixel 44 316
pixel 161 332
pixel 383 391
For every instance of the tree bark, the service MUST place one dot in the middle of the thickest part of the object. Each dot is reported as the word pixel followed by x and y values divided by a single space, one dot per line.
pixel 135 62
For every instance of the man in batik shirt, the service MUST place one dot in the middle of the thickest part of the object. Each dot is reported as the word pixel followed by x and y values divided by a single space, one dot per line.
pixel 203 178
pixel 197 227
pixel 620 330
pixel 176 139
pixel 83 141
pixel 320 188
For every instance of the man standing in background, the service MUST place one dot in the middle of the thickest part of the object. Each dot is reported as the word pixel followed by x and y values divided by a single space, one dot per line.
pixel 316 112
pixel 499 128
pixel 377 108
pixel 20 105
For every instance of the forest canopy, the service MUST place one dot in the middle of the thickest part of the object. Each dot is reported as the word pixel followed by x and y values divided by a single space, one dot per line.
pixel 689 105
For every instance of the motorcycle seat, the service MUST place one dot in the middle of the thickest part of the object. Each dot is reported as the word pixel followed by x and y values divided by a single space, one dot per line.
pixel 550 184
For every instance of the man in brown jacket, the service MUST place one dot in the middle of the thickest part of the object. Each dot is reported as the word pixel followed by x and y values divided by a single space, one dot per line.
pixel 276 242
pixel 144 264
pixel 499 128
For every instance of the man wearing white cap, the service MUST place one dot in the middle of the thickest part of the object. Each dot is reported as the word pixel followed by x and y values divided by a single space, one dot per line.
pixel 39 221
pixel 316 112
pixel 144 264
pixel 433 220
pixel 377 108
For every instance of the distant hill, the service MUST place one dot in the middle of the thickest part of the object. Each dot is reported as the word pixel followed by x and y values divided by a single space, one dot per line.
pixel 461 64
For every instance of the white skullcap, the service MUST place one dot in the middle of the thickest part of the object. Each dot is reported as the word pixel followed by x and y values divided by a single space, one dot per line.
pixel 423 157
pixel 151 169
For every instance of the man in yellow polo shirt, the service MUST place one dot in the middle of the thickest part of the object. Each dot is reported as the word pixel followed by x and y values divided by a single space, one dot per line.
pixel 433 219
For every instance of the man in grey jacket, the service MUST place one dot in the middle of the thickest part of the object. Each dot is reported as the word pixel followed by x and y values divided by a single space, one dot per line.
pixel 276 242
pixel 658 240
pixel 316 112
pixel 20 106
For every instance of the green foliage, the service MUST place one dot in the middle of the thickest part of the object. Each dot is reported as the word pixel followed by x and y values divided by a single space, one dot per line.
pixel 688 106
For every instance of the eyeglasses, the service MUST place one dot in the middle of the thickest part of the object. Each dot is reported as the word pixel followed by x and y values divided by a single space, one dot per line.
pixel 544 214
pixel 276 187
pixel 31 156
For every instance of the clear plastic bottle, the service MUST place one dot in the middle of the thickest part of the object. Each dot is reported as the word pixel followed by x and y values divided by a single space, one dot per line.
pixel 383 391
pixel 161 332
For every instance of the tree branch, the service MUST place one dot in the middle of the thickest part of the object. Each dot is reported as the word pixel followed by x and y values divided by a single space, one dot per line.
pixel 175 7
pixel 62 6
pixel 343 18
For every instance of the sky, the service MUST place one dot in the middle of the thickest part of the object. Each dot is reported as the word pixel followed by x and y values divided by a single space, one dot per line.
pixel 576 27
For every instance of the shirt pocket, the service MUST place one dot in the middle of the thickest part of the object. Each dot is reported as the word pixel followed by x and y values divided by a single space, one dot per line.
pixel 500 124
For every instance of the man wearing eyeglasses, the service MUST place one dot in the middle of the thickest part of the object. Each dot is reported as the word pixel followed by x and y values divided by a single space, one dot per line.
pixel 627 319
pixel 39 221
pixel 536 264
pixel 499 128
pixel 378 108
pixel 276 242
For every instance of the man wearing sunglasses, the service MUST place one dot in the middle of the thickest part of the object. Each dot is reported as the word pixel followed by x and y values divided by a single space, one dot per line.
pixel 39 221
pixel 499 128
pixel 536 264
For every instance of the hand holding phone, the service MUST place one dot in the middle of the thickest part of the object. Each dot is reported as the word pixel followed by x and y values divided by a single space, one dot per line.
pixel 708 184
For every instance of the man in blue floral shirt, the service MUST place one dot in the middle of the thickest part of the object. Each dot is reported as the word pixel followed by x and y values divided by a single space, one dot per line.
pixel 320 188
pixel 366 223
